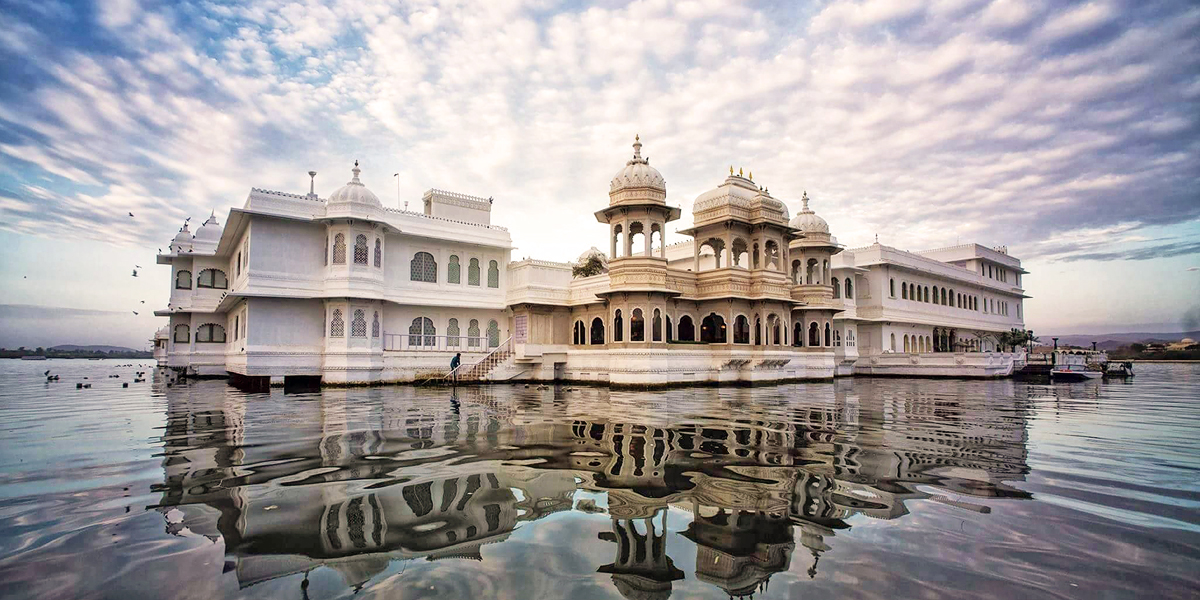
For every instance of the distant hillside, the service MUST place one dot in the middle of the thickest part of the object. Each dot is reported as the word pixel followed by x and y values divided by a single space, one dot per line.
pixel 1112 341
pixel 74 348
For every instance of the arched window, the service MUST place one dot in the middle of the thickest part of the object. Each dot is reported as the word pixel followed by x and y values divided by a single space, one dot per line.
pixel 210 333
pixel 183 280
pixel 238 264
pixel 757 331
pixel 741 330
pixel 337 327
pixel 360 249
pixel 774 321
pixel 493 274
pixel 339 249
pixel 671 332
pixel 378 253
pixel 935 294
pixel 375 325
pixel 325 251
pixel 493 332
pixel 814 335
pixel 850 288
pixel 712 329
pixel 828 338
pixel 423 268
pixel 926 293
pixel 798 334
pixel 656 327
pixel 473 272
pixel 578 337
pixel 597 331
pixel 687 329
pixel 473 338
pixel 422 332
pixel 452 333
pixel 892 288
pixel 618 326
pixel 358 327
pixel 182 333
pixel 637 326
pixel 893 342
pixel 907 349
pixel 212 278
pixel 837 288
pixel 454 270
pixel 943 296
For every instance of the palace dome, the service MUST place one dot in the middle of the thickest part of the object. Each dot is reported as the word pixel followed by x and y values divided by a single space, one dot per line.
pixel 738 195
pixel 183 239
pixel 638 173
pixel 210 231
pixel 354 192
pixel 807 221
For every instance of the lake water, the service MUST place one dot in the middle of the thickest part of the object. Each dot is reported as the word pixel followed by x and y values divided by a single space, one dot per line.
pixel 858 488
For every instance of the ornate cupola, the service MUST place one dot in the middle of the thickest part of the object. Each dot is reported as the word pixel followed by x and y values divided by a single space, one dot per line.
pixel 354 200
pixel 638 182
pixel 637 207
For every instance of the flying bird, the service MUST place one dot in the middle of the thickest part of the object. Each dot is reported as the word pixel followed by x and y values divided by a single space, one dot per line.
pixel 135 312
pixel 131 214
pixel 143 301
pixel 137 266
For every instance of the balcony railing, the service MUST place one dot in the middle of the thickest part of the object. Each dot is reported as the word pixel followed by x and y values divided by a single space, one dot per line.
pixel 436 343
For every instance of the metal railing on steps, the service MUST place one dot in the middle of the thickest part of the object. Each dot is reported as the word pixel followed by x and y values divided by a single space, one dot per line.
pixel 479 370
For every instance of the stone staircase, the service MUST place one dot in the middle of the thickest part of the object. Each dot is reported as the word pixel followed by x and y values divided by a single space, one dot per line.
pixel 480 371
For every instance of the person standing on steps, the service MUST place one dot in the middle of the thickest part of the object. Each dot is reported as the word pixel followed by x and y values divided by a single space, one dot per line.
pixel 454 362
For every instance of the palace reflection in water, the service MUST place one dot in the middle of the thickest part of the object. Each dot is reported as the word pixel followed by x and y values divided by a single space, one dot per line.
pixel 355 479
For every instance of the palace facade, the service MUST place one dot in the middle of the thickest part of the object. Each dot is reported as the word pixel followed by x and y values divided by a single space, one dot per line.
pixel 350 292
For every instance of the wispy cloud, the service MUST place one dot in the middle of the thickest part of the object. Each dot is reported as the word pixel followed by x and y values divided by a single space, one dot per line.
pixel 1004 122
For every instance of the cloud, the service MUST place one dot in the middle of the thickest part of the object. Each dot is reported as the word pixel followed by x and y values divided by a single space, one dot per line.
pixel 34 311
pixel 1036 125
pixel 1143 253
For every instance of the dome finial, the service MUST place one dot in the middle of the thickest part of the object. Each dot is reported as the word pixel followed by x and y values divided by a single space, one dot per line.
pixel 804 200
pixel 751 175
pixel 739 171
pixel 356 171
pixel 731 170
pixel 637 147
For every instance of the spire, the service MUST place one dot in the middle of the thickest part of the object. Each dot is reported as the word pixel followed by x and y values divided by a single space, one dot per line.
pixel 739 171
pixel 751 175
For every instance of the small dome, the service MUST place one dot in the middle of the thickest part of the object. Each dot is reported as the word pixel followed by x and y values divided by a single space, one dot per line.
pixel 210 231
pixel 807 221
pixel 590 252
pixel 638 173
pixel 183 239
pixel 1187 341
pixel 354 192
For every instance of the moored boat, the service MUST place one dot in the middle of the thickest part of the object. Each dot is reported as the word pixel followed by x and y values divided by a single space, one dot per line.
pixel 1119 369
pixel 1074 373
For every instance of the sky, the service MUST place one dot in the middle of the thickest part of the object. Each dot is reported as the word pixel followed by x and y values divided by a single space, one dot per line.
pixel 1067 131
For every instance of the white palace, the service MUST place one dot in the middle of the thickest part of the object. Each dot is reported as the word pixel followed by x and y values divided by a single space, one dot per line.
pixel 346 290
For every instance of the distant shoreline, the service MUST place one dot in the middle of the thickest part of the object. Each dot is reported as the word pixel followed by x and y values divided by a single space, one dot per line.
pixel 1150 360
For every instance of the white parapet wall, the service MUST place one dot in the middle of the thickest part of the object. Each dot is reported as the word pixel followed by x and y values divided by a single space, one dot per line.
pixel 940 364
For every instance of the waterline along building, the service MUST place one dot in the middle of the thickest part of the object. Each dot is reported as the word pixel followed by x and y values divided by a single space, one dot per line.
pixel 347 291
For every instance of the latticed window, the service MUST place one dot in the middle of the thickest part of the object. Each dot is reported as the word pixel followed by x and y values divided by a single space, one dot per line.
pixel 358 327
pixel 339 249
pixel 473 333
pixel 182 334
pixel 422 332
pixel 473 272
pixel 210 332
pixel 360 250
pixel 424 268
pixel 212 278
pixel 452 333
pixel 493 334
pixel 375 326
pixel 337 327
pixel 454 270
pixel 378 253
pixel 493 274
